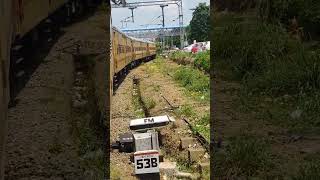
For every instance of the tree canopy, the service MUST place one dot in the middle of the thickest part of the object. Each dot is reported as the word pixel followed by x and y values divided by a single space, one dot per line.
pixel 200 23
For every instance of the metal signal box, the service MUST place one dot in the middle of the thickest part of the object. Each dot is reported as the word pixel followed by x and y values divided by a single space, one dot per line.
pixel 146 141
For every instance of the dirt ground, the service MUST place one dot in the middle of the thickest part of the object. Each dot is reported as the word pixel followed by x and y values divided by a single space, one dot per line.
pixel 40 144
pixel 122 111
pixel 154 87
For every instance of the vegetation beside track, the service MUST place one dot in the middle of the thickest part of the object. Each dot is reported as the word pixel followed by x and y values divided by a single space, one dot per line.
pixel 279 87
pixel 200 60
pixel 268 63
pixel 87 128
pixel 197 86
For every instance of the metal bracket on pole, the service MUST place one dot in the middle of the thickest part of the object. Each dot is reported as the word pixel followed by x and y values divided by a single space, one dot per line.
pixel 162 4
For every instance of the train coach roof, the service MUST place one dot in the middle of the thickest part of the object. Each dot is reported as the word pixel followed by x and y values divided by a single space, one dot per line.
pixel 133 38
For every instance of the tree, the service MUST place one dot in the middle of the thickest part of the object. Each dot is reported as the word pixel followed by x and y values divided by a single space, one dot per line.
pixel 200 23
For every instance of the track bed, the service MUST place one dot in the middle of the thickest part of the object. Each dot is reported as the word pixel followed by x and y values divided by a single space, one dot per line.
pixel 161 95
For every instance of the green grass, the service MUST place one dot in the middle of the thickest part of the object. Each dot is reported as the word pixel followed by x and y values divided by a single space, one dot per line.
pixel 265 58
pixel 280 86
pixel 186 110
pixel 202 61
pixel 137 107
pixel 203 127
pixel 183 163
pixel 267 62
pixel 200 124
pixel 193 80
pixel 246 156
pixel 196 84
pixel 180 55
pixel 150 103
pixel 115 173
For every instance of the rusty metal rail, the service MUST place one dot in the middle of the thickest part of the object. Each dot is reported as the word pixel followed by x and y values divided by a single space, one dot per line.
pixel 199 137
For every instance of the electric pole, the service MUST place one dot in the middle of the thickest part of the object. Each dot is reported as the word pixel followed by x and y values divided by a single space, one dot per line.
pixel 182 34
pixel 132 8
pixel 162 33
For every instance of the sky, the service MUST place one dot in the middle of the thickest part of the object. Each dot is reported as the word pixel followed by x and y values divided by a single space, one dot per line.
pixel 148 16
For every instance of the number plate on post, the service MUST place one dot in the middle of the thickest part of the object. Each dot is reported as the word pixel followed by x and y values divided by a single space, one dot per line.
pixel 146 162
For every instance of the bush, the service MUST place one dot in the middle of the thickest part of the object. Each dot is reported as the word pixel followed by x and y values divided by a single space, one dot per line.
pixel 181 57
pixel 250 48
pixel 202 60
pixel 192 79
pixel 292 74
pixel 266 59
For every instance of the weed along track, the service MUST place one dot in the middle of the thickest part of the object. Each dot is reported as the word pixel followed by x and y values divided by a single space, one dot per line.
pixel 149 92
pixel 192 149
pixel 136 93
pixel 203 141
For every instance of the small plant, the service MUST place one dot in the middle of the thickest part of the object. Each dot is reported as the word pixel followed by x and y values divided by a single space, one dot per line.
pixel 156 88
pixel 247 155
pixel 183 162
pixel 203 126
pixel 150 103
pixel 186 110
pixel 137 107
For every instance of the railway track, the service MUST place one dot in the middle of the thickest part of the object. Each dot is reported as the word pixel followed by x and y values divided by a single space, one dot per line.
pixel 141 82
pixel 197 135
pixel 136 92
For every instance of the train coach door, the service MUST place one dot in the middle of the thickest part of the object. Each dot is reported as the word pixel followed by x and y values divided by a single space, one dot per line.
pixel 132 51
pixel 128 59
